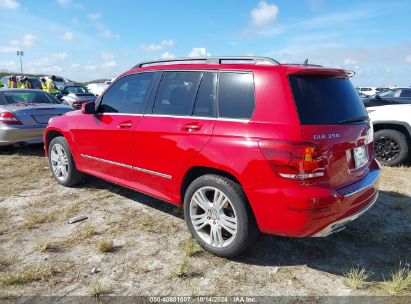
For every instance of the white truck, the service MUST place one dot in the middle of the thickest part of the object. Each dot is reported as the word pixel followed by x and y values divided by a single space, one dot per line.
pixel 392 133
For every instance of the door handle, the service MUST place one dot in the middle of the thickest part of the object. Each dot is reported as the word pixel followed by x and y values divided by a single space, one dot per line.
pixel 190 127
pixel 125 125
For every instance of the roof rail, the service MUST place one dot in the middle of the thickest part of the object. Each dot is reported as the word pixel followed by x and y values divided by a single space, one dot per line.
pixel 210 60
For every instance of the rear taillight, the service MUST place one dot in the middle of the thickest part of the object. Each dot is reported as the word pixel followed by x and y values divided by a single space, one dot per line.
pixel 293 160
pixel 8 118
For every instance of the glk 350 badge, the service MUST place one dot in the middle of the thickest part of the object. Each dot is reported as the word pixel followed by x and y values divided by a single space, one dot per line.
pixel 326 136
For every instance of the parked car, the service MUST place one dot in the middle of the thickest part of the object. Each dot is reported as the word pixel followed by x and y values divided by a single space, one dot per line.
pixel 368 91
pixel 392 137
pixel 24 115
pixel 244 144
pixel 75 96
pixel 389 97
pixel 98 88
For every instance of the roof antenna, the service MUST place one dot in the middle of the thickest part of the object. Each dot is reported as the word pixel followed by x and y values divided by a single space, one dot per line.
pixel 306 61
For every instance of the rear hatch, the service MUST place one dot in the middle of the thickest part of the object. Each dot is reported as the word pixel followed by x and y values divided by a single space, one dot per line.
pixel 333 117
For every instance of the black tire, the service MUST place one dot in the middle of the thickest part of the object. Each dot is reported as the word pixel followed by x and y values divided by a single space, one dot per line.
pixel 73 177
pixel 247 230
pixel 391 147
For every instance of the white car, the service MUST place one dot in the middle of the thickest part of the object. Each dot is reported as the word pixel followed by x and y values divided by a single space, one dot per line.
pixel 392 133
pixel 98 88
pixel 368 91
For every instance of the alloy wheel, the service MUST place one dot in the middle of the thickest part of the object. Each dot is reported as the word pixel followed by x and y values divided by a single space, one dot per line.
pixel 59 162
pixel 386 148
pixel 213 217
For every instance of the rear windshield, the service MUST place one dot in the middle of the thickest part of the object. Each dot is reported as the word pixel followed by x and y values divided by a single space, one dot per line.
pixel 28 97
pixel 325 101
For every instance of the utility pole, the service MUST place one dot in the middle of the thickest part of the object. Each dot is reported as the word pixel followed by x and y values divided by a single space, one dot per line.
pixel 21 54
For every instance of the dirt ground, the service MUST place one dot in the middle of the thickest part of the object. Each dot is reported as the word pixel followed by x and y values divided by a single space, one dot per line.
pixel 132 244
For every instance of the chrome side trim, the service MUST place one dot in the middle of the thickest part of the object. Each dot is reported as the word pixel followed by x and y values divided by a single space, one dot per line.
pixel 198 117
pixel 127 166
pixel 368 180
pixel 340 224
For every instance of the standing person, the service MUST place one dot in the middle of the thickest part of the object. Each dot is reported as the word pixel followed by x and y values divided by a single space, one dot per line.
pixel 43 84
pixel 25 83
pixel 51 86
pixel 12 82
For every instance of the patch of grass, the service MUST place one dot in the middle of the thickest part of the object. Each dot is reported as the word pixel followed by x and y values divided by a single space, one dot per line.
pixel 400 281
pixel 36 219
pixel 146 224
pixel 96 290
pixel 45 246
pixel 27 276
pixel 183 266
pixel 355 277
pixel 5 262
pixel 71 210
pixel 105 246
pixel 190 247
pixel 88 232
pixel 400 205
pixel 2 230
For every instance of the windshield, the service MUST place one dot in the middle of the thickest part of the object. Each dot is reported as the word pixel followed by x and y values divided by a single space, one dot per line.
pixel 389 93
pixel 77 90
pixel 326 101
pixel 28 97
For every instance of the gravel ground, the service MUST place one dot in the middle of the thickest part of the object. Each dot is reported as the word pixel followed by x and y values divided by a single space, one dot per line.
pixel 132 244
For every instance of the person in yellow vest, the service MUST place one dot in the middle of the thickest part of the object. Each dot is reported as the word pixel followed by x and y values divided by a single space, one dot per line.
pixel 51 86
pixel 43 84
pixel 25 83
pixel 12 82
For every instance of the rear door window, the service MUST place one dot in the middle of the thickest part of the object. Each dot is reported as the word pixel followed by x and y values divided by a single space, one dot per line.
pixel 176 93
pixel 236 95
pixel 405 93
pixel 325 101
pixel 205 104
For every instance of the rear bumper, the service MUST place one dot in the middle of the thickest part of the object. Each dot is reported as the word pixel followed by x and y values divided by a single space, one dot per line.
pixel 11 136
pixel 298 210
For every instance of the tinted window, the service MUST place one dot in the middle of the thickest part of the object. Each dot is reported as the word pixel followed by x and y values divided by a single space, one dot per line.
pixel 325 101
pixel 236 95
pixel 176 93
pixel 206 96
pixel 128 95
pixel 405 93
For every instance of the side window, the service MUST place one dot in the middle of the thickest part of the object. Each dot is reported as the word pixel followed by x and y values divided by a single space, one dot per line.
pixel 405 93
pixel 128 95
pixel 205 104
pixel 236 95
pixel 176 93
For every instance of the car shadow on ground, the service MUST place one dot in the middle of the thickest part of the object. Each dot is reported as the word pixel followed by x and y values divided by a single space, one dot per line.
pixel 28 150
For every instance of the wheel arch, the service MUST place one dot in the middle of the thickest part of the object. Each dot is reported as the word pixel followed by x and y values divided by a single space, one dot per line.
pixel 402 127
pixel 49 136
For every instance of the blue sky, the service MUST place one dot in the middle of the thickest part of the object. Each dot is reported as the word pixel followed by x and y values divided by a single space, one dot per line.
pixel 85 40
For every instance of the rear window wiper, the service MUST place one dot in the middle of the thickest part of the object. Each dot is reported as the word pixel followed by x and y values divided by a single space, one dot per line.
pixel 355 119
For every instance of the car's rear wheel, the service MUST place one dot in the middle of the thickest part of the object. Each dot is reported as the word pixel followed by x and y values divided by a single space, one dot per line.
pixel 391 147
pixel 62 164
pixel 218 215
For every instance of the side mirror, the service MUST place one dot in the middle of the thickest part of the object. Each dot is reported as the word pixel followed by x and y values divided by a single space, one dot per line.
pixel 88 108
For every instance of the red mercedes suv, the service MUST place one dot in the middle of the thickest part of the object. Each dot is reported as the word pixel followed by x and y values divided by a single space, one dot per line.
pixel 244 144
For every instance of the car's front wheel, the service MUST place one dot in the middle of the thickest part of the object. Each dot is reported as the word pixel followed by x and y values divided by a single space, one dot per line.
pixel 391 147
pixel 218 215
pixel 62 164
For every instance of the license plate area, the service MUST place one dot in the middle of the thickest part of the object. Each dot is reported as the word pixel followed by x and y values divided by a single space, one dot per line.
pixel 360 156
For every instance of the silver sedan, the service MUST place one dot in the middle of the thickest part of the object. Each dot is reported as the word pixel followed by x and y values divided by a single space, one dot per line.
pixel 24 115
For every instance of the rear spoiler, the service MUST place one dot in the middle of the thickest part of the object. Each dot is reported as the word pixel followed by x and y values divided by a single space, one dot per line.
pixel 320 71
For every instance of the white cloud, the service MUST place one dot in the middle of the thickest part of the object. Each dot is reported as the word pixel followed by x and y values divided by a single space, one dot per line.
pixel 90 67
pixel 59 56
pixel 106 56
pixel 199 52
pixel 8 65
pixel 28 40
pixel 10 4
pixel 157 47
pixel 264 14
pixel 68 36
pixel 109 64
pixel 64 3
pixel 167 55
pixel 94 16
pixel 105 32
pixel 350 61
pixel 408 58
